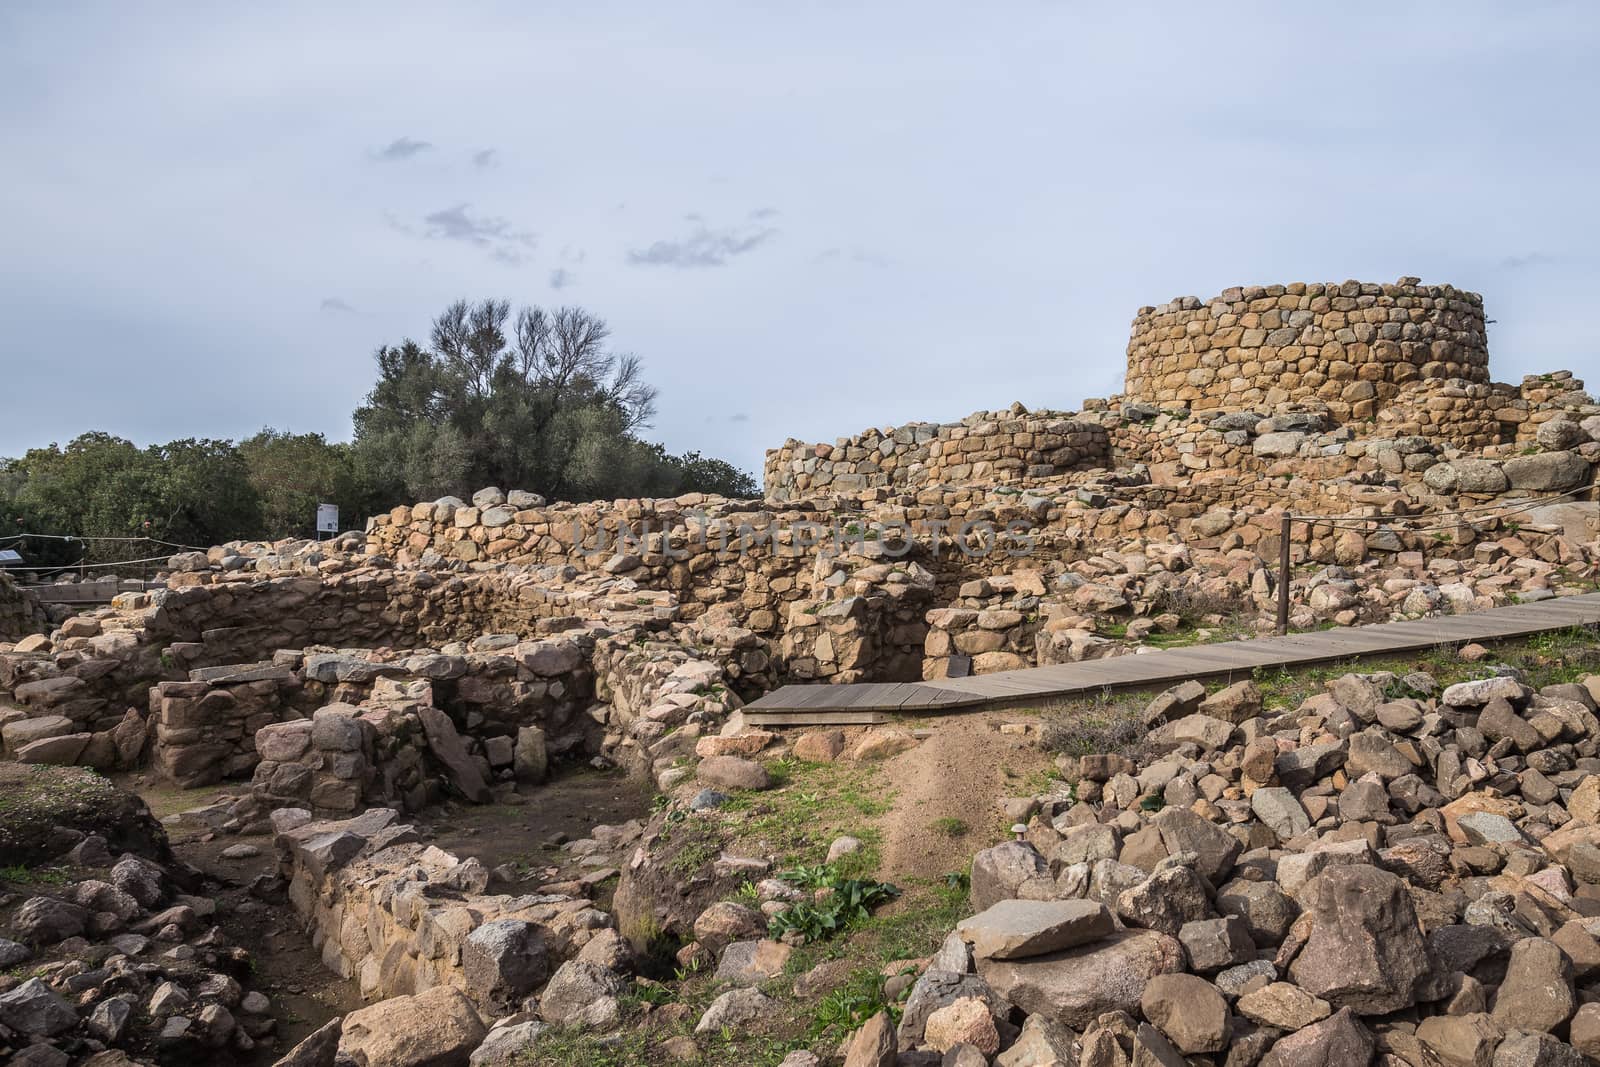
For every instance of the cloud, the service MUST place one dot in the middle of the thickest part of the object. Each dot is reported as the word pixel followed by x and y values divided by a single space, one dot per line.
pixel 560 278
pixel 494 235
pixel 852 254
pixel 764 213
pixel 336 306
pixel 740 417
pixel 402 148
pixel 485 158
pixel 1532 259
pixel 704 247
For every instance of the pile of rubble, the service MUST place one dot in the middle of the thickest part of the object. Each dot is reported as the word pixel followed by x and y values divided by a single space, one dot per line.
pixel 1387 871
pixel 126 953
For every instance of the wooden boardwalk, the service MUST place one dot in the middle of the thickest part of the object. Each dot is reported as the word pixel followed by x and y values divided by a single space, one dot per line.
pixel 794 705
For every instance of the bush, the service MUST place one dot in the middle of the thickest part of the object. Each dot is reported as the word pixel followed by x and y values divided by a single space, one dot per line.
pixel 1100 728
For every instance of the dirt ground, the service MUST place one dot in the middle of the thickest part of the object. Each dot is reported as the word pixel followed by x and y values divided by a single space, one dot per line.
pixel 956 776
pixel 527 831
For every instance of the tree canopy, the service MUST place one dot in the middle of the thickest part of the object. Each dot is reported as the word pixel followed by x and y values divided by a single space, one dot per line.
pixel 538 401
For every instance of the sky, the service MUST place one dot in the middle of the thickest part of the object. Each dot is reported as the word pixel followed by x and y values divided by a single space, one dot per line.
pixel 807 219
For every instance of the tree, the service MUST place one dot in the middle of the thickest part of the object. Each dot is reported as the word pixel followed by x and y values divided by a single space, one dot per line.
pixel 538 402
pixel 101 486
pixel 292 473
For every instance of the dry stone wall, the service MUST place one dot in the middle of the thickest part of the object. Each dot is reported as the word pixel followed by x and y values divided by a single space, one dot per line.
pixel 988 447
pixel 207 729
pixel 20 614
pixel 400 917
pixel 1351 345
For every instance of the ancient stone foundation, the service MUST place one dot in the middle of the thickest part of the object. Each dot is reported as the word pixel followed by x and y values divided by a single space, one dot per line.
pixel 20 615
pixel 1351 345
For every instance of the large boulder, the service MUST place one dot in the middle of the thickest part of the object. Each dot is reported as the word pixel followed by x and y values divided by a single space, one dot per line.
pixel 1548 472
pixel 1171 897
pixel 438 1027
pixel 446 745
pixel 733 1009
pixel 1189 1010
pixel 1077 986
pixel 1017 929
pixel 1338 1041
pixel 1537 992
pixel 33 1008
pixel 934 990
pixel 1366 951
pixel 46 920
pixel 504 961
pixel 733 772
pixel 581 994
pixel 726 922
pixel 999 872
pixel 1184 831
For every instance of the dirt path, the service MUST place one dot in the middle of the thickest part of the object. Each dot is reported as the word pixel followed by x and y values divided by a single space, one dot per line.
pixel 951 780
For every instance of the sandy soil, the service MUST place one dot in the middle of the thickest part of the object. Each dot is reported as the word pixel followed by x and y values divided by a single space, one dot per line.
pixel 959 773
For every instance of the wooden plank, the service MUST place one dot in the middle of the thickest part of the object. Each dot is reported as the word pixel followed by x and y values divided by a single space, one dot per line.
pixel 816 718
pixel 809 703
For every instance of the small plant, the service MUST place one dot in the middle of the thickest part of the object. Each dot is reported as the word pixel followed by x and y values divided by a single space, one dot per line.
pixel 851 1003
pixel 820 876
pixel 957 881
pixel 850 902
pixel 1153 802
pixel 748 895
pixel 653 993
pixel 950 826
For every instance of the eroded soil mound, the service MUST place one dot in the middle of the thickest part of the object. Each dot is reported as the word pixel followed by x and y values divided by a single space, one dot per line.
pixel 38 802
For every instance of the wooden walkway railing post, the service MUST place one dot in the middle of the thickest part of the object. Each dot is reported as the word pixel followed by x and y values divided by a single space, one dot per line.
pixel 1283 575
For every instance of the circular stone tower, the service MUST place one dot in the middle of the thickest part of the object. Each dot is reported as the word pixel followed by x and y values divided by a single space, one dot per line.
pixel 1351 345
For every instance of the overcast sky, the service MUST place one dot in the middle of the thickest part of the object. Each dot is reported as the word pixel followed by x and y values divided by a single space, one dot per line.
pixel 808 218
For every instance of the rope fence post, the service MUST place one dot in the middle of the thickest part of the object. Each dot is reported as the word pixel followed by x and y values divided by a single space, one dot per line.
pixel 1283 575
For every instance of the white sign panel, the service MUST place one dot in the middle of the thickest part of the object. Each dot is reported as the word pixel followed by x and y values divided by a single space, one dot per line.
pixel 327 518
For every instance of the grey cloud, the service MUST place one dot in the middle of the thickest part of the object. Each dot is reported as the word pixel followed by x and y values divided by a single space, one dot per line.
pixel 560 278
pixel 494 235
pixel 764 213
pixel 485 158
pixel 335 305
pixel 740 417
pixel 402 148
pixel 704 247
pixel 1532 259
pixel 852 254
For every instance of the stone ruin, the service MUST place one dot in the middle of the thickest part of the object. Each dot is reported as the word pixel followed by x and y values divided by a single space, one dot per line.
pixel 1008 540
pixel 454 648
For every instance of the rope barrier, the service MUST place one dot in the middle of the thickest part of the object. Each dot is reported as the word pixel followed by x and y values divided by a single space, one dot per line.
pixel 82 539
pixel 96 565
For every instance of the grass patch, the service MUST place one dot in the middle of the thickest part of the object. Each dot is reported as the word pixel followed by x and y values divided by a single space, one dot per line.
pixel 20 875
pixel 950 826
pixel 799 818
